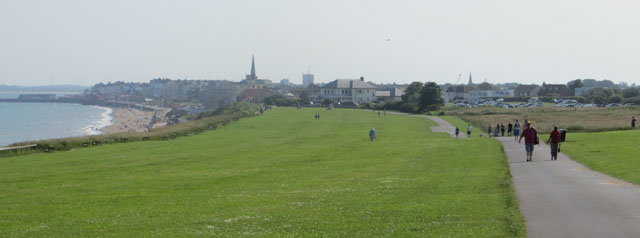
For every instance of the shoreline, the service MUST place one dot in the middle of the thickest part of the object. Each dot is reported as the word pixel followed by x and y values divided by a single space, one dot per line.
pixel 132 120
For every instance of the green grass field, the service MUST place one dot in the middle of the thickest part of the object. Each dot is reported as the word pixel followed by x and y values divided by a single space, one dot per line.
pixel 282 174
pixel 614 153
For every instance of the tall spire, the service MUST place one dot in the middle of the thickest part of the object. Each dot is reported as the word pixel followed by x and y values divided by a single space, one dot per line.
pixel 253 68
pixel 470 81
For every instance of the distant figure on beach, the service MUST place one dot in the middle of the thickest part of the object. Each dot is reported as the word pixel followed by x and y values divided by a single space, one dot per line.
pixel 457 131
pixel 502 128
pixel 509 128
pixel 469 130
pixel 489 130
pixel 516 129
pixel 633 122
pixel 530 135
pixel 372 134
pixel 554 138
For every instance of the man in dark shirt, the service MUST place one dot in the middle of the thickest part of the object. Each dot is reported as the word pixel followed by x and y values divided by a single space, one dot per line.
pixel 633 122
pixel 530 134
pixel 554 138
pixel 509 129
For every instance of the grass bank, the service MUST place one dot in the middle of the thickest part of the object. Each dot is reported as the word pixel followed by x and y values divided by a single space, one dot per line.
pixel 614 153
pixel 282 174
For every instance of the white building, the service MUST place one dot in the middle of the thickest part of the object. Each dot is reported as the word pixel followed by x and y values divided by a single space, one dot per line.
pixel 307 79
pixel 348 90
pixel 477 94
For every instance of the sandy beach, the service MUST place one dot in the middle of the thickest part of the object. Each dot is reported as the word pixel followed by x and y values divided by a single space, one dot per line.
pixel 132 120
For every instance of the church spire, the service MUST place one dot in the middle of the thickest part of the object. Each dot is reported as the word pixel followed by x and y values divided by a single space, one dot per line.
pixel 253 68
pixel 470 81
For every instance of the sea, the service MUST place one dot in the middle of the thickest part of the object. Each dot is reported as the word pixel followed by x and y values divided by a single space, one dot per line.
pixel 35 121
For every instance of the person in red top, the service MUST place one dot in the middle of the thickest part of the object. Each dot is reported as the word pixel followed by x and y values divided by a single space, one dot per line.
pixel 554 138
pixel 530 135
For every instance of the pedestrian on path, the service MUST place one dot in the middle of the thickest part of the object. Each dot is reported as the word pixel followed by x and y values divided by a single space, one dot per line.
pixel 509 129
pixel 489 130
pixel 554 138
pixel 502 128
pixel 457 131
pixel 469 130
pixel 633 122
pixel 530 136
pixel 516 129
pixel 372 134
pixel 496 131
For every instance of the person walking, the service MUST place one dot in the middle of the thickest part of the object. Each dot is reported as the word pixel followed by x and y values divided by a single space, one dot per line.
pixel 457 131
pixel 502 129
pixel 516 129
pixel 554 138
pixel 372 134
pixel 633 122
pixel 469 130
pixel 509 129
pixel 489 130
pixel 496 131
pixel 378 114
pixel 530 136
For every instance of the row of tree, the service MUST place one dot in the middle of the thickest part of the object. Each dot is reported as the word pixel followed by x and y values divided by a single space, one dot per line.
pixel 611 95
pixel 419 97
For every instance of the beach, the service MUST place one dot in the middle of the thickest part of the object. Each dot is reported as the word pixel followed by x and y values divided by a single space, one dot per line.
pixel 133 120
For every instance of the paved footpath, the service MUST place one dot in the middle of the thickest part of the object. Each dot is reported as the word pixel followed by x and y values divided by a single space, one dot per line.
pixel 565 199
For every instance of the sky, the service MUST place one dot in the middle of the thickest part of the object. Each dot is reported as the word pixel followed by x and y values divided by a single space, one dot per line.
pixel 87 42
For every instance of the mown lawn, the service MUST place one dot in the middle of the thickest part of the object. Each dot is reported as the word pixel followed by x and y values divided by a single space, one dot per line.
pixel 282 174
pixel 615 153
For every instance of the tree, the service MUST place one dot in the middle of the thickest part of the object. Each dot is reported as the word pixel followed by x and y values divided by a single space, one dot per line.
pixel 485 86
pixel 304 97
pixel 572 85
pixel 431 97
pixel 412 94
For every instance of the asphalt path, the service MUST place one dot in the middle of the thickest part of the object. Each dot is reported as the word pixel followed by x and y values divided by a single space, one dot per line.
pixel 563 198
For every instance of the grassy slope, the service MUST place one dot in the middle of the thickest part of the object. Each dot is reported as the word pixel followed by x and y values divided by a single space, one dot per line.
pixel 279 175
pixel 615 152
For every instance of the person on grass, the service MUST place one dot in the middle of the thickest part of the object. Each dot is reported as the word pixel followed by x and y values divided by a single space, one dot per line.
pixel 457 131
pixel 633 122
pixel 372 134
pixel 554 138
pixel 489 130
pixel 516 129
pixel 530 135
pixel 469 130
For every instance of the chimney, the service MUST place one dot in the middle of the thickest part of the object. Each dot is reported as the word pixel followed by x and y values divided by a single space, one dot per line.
pixel 361 78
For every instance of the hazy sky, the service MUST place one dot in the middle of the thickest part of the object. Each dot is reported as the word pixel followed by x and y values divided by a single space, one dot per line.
pixel 66 42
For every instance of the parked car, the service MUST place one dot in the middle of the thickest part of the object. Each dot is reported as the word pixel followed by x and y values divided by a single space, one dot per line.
pixel 613 105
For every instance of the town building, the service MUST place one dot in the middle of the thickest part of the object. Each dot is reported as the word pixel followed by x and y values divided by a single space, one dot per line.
pixel 457 92
pixel 554 90
pixel 307 79
pixel 477 94
pixel 393 93
pixel 527 90
pixel 348 90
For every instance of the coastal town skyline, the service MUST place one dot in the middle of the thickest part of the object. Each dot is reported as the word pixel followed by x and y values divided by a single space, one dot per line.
pixel 75 42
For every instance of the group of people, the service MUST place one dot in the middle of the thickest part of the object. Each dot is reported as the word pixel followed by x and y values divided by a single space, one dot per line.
pixel 317 115
pixel 500 129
